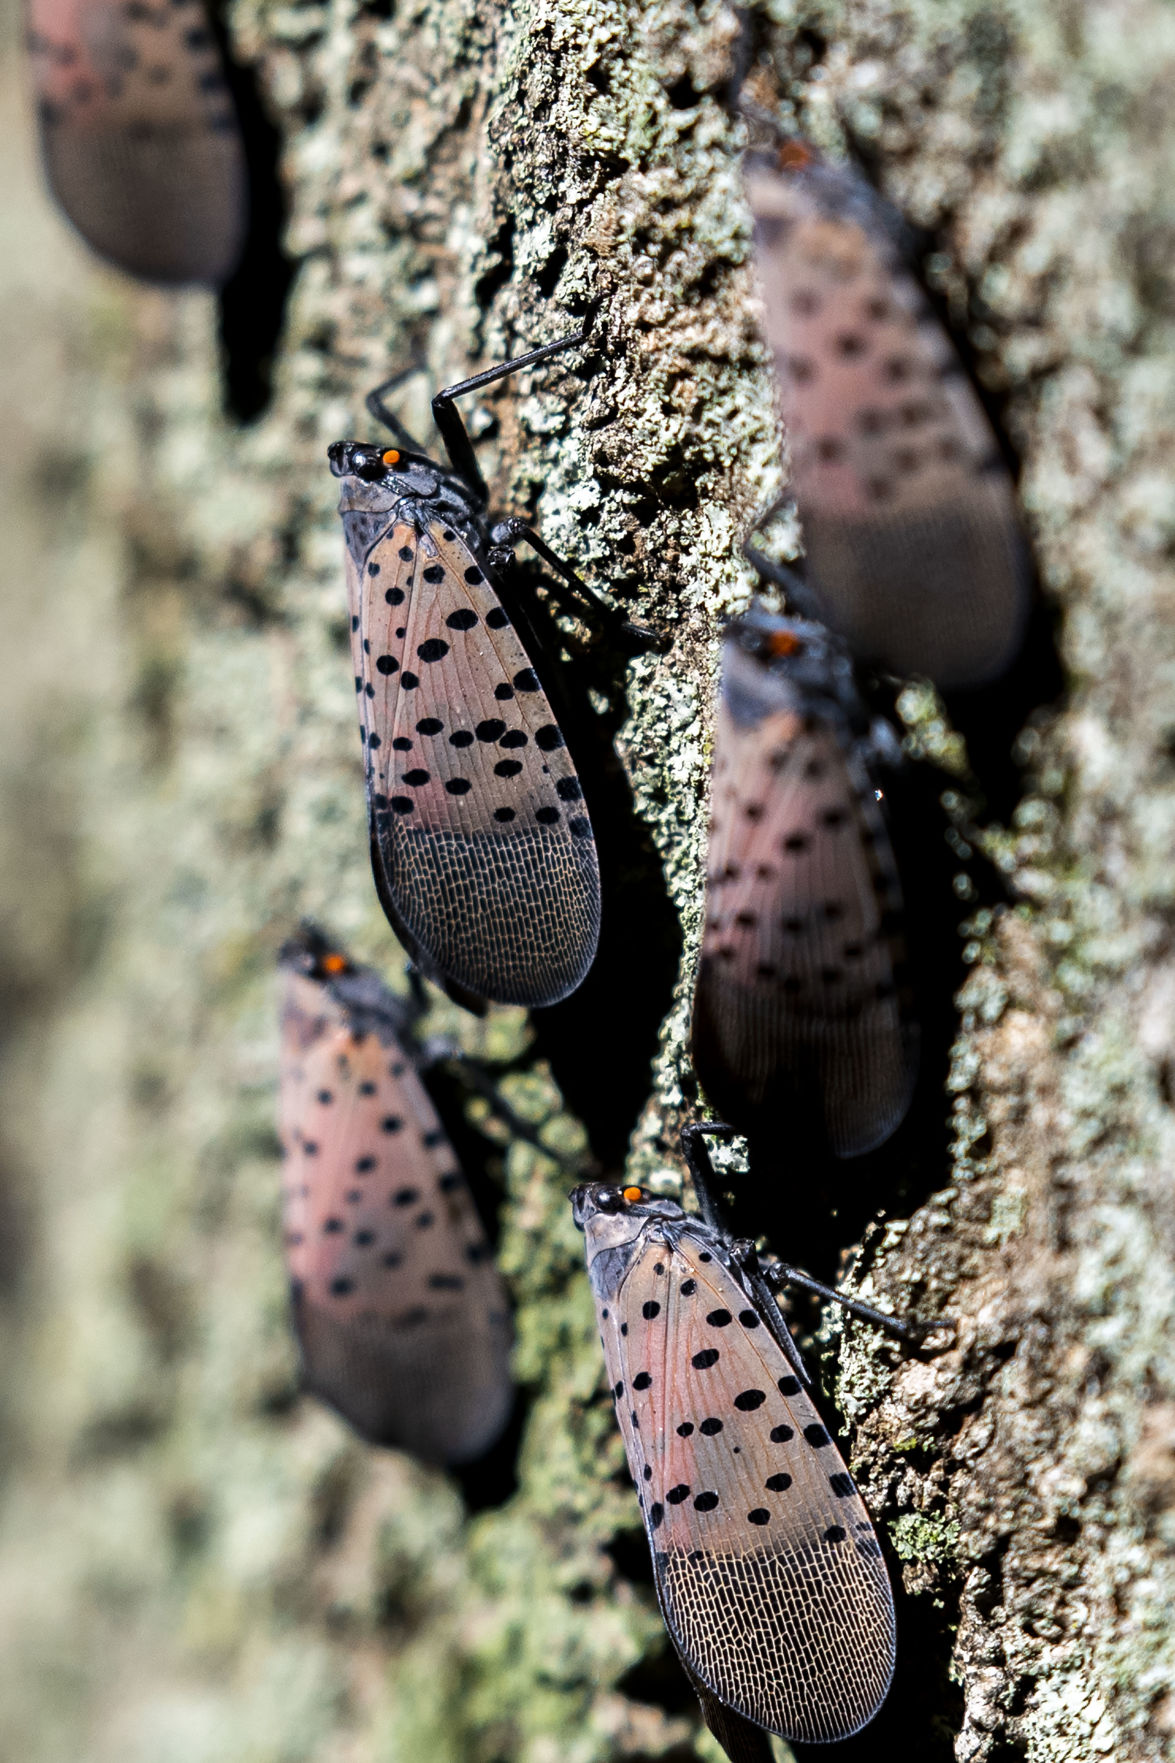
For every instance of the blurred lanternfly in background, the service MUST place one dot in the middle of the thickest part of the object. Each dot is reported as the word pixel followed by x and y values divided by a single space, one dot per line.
pixel 802 1003
pixel 139 135
pixel 402 1320
pixel 913 547
pixel 769 1574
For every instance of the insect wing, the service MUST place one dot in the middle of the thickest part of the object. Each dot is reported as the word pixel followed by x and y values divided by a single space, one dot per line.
pixel 139 136
pixel 769 1573
pixel 908 510
pixel 800 997
pixel 401 1315
pixel 481 841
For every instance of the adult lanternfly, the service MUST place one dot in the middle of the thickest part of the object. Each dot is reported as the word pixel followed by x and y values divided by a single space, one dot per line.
pixel 481 844
pixel 914 551
pixel 768 1572
pixel 139 135
pixel 400 1314
pixel 800 1007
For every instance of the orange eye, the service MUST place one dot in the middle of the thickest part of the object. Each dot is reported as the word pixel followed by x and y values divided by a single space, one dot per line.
pixel 333 963
pixel 783 643
pixel 632 1195
pixel 794 156
pixel 391 457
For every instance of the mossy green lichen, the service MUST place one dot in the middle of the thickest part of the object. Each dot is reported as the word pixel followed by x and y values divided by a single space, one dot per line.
pixel 917 1537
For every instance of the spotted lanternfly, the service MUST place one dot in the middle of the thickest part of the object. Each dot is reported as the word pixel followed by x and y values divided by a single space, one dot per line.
pixel 400 1314
pixel 801 1009
pixel 768 1572
pixel 914 551
pixel 139 135
pixel 481 845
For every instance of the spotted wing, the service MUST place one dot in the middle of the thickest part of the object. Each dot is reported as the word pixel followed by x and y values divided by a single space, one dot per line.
pixel 907 508
pixel 139 135
pixel 800 1001
pixel 481 841
pixel 400 1313
pixel 768 1570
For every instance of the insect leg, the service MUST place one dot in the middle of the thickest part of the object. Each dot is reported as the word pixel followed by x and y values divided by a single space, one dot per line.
pixel 416 988
pixel 701 1169
pixel 801 602
pixel 480 1081
pixel 779 1274
pixel 377 408
pixel 440 1049
pixel 740 1739
pixel 740 61
pixel 693 1149
pixel 511 531
pixel 765 118
pixel 448 418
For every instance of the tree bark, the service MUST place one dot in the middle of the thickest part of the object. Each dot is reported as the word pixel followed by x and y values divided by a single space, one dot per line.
pixel 196 1565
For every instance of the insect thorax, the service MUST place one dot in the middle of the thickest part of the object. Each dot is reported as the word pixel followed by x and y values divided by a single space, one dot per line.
pixel 619 1250
pixel 418 497
pixel 374 1010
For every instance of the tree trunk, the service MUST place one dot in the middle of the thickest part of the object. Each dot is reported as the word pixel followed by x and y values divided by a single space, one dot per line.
pixel 197 1565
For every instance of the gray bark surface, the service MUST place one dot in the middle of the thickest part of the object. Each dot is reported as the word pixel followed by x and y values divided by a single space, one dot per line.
pixel 195 1565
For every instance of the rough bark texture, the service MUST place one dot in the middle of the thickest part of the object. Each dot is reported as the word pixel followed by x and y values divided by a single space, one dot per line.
pixel 194 1565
